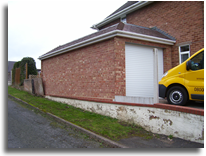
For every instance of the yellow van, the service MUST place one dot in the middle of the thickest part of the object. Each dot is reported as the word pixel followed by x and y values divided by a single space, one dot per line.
pixel 185 81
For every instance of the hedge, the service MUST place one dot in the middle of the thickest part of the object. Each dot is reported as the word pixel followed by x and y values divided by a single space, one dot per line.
pixel 31 69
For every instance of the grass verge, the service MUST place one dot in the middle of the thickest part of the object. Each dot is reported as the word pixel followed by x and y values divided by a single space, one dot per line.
pixel 105 126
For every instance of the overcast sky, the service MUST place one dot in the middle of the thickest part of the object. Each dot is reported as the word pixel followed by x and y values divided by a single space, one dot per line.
pixel 36 27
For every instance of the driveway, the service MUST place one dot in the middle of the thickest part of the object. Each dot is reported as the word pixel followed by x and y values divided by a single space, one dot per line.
pixel 29 128
pixel 192 104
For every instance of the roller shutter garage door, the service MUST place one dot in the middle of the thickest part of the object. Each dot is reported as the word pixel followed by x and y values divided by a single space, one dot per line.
pixel 139 70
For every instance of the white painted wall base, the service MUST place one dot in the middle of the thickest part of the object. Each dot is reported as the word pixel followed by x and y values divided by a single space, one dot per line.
pixel 134 99
pixel 182 125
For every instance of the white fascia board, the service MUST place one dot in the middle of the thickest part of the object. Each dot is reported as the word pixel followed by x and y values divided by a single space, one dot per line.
pixel 80 44
pixel 145 37
pixel 125 11
pixel 107 36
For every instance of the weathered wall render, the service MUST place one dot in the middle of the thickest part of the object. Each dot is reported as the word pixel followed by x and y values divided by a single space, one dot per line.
pixel 162 121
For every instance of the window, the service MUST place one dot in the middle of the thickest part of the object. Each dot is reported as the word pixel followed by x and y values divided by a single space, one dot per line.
pixel 184 53
pixel 197 62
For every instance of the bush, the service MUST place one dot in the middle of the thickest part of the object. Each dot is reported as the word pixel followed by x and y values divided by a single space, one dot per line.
pixel 31 68
pixel 22 65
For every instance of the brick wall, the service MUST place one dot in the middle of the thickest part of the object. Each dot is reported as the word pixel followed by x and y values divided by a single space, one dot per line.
pixel 98 71
pixel 86 72
pixel 93 72
pixel 184 20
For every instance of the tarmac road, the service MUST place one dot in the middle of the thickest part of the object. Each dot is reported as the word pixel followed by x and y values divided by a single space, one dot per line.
pixel 28 128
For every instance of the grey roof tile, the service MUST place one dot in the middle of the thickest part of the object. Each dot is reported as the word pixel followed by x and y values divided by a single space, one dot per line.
pixel 156 32
pixel 119 26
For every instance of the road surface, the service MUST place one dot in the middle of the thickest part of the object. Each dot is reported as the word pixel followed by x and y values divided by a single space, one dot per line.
pixel 29 128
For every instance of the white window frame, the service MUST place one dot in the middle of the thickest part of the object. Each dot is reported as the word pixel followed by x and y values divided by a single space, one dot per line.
pixel 185 52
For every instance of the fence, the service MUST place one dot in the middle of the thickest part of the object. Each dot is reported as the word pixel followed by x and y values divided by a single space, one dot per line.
pixel 17 76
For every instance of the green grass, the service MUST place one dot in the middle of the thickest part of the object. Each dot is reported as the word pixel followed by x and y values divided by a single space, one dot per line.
pixel 103 125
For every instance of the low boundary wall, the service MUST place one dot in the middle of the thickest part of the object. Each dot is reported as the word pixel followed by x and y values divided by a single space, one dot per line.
pixel 28 85
pixel 181 122
pixel 34 86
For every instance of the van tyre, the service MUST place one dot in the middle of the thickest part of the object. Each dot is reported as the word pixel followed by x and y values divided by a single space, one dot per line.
pixel 177 95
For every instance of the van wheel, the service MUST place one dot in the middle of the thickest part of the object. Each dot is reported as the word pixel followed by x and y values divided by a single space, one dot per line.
pixel 177 95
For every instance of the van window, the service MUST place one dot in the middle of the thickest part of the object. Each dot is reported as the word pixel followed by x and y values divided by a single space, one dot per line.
pixel 198 62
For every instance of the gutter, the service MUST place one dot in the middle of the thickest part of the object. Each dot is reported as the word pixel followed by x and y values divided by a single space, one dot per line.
pixel 106 36
pixel 125 11
pixel 145 37
pixel 79 45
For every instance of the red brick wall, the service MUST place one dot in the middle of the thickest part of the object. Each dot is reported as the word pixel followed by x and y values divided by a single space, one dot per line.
pixel 184 20
pixel 86 72
pixel 98 71
pixel 92 72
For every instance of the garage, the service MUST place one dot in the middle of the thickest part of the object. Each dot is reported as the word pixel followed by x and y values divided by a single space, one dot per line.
pixel 139 70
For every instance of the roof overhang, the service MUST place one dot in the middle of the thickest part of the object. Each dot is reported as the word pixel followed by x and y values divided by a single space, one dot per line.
pixel 121 13
pixel 106 36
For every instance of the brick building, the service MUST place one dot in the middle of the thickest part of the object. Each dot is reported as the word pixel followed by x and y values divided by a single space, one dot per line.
pixel 117 60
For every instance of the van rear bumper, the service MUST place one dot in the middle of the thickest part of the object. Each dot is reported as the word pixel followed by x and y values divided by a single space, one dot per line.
pixel 162 91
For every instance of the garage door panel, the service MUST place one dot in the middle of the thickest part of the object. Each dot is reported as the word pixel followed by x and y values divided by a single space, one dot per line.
pixel 139 70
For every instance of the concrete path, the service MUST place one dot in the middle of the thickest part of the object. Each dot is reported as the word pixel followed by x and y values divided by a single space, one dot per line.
pixel 28 128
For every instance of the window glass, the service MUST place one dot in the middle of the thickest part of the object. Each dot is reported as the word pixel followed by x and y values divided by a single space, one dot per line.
pixel 197 62
pixel 184 48
pixel 184 57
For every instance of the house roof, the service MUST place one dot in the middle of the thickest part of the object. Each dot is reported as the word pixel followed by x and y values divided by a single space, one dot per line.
pixel 125 9
pixel 10 65
pixel 119 29
pixel 127 4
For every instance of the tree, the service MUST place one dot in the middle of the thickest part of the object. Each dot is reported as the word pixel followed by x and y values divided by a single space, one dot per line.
pixel 31 68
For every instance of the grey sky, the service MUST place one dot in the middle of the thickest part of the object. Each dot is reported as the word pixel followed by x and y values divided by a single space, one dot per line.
pixel 36 27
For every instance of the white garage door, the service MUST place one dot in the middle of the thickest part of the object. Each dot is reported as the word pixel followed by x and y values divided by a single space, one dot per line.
pixel 139 70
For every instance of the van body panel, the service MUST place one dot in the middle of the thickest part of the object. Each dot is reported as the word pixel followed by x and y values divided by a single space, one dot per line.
pixel 194 81
pixel 189 75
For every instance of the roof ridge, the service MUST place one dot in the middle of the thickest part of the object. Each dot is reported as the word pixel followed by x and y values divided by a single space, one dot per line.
pixel 148 30
pixel 137 26
pixel 163 32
